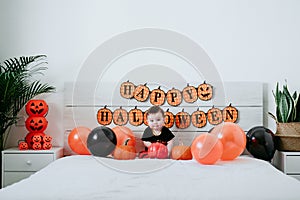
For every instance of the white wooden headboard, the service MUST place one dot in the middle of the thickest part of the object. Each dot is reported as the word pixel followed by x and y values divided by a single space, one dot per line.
pixel 83 100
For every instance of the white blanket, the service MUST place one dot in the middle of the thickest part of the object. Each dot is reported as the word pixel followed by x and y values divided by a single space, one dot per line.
pixel 87 178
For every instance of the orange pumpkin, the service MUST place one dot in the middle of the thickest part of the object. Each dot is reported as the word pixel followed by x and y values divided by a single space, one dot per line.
pixel 181 152
pixel 230 114
pixel 127 90
pixel 169 119
pixel 190 94
pixel 214 116
pixel 124 152
pixel 36 107
pixel 198 118
pixel 36 146
pixel 36 124
pixel 174 97
pixel 47 138
pixel 104 116
pixel 205 91
pixel 136 116
pixel 182 119
pixel 122 134
pixel 47 146
pixel 23 146
pixel 29 136
pixel 141 93
pixel 157 97
pixel 120 116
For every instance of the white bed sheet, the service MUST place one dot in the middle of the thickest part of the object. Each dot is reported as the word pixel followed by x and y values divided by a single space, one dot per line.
pixel 87 178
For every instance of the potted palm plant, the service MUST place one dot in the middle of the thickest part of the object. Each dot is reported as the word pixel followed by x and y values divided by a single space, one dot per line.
pixel 17 87
pixel 287 137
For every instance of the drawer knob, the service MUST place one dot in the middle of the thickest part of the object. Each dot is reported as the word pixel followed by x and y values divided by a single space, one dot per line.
pixel 28 162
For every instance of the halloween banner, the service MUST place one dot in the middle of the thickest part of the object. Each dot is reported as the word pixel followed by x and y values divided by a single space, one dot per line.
pixel 174 97
pixel 182 119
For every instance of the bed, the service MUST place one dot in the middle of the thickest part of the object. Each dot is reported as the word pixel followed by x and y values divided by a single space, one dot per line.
pixel 89 177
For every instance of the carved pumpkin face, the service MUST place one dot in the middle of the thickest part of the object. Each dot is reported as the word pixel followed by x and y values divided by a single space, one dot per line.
pixel 182 119
pixel 120 116
pixel 198 118
pixel 23 146
pixel 136 117
pixel 230 114
pixel 104 116
pixel 127 90
pixel 36 107
pixel 169 119
pixel 47 145
pixel 190 94
pixel 141 93
pixel 36 146
pixel 214 116
pixel 174 97
pixel 205 91
pixel 157 97
pixel 47 138
pixel 36 124
pixel 36 138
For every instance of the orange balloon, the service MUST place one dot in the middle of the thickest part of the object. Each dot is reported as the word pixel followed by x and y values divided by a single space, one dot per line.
pixel 123 133
pixel 77 140
pixel 207 149
pixel 233 139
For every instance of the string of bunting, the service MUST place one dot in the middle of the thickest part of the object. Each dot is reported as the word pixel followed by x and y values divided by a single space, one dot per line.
pixel 182 119
pixel 173 96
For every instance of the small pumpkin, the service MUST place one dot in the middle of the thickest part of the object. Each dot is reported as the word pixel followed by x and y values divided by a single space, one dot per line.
pixel 205 91
pixel 174 97
pixel 36 124
pixel 182 119
pixel 124 133
pixel 47 138
pixel 158 150
pixel 36 146
pixel 214 116
pixel 47 145
pixel 141 93
pixel 104 116
pixel 120 116
pixel 124 152
pixel 169 119
pixel 136 116
pixel 181 152
pixel 29 136
pixel 190 94
pixel 127 90
pixel 157 97
pixel 23 145
pixel 36 107
pixel 198 118
pixel 230 114
pixel 36 138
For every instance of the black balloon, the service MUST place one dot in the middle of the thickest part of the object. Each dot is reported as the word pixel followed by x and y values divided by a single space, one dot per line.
pixel 260 143
pixel 101 141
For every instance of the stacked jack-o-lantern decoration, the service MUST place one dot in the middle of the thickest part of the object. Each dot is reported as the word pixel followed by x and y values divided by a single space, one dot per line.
pixel 36 124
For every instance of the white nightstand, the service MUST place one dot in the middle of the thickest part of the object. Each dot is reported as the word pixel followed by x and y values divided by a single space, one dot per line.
pixel 17 164
pixel 288 163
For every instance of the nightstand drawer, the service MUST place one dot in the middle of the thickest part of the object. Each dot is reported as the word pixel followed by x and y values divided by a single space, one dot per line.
pixel 26 162
pixel 12 177
pixel 293 164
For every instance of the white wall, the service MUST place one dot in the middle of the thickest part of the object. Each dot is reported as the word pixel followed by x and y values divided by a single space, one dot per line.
pixel 247 40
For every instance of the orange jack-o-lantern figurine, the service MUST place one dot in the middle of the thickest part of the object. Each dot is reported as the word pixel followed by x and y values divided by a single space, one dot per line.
pixel 169 119
pixel 136 116
pixel 23 145
pixel 198 118
pixel 120 116
pixel 36 107
pixel 182 119
pixel 47 138
pixel 157 97
pixel 36 146
pixel 141 93
pixel 47 146
pixel 32 136
pixel 127 90
pixel 214 116
pixel 174 97
pixel 190 94
pixel 205 91
pixel 36 124
pixel 104 116
pixel 230 114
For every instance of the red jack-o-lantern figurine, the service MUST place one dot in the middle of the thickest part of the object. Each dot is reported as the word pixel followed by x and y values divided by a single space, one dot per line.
pixel 36 124
pixel 36 146
pixel 47 145
pixel 23 146
pixel 36 107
